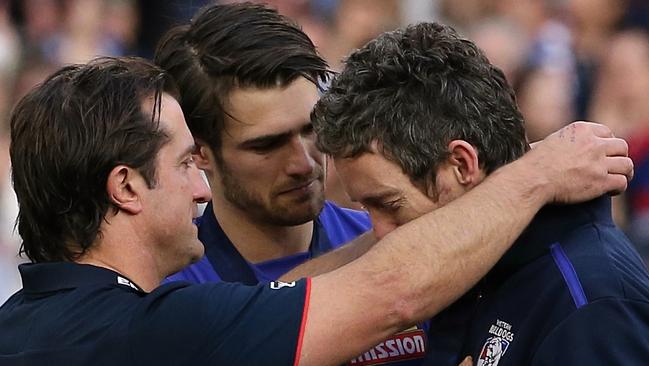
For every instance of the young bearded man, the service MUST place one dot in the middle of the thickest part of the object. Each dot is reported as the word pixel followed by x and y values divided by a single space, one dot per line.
pixel 248 79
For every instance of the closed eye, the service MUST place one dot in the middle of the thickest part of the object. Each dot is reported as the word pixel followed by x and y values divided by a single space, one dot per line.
pixel 189 162
pixel 393 205
pixel 385 204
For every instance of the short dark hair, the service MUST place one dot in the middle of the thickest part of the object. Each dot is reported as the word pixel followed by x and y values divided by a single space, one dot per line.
pixel 234 45
pixel 415 90
pixel 67 135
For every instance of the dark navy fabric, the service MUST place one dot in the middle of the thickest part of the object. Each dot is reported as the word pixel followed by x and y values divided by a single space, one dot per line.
pixel 71 314
pixel 571 291
pixel 447 332
pixel 334 227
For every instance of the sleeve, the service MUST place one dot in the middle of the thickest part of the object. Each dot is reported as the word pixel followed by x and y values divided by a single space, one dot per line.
pixel 224 324
pixel 604 332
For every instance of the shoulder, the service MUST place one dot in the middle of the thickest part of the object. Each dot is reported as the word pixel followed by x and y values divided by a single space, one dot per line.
pixel 603 332
pixel 606 263
pixel 240 321
pixel 333 216
pixel 189 301
pixel 343 225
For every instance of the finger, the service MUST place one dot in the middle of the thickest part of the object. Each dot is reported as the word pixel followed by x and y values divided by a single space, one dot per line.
pixel 616 147
pixel 620 165
pixel 616 184
pixel 597 129
pixel 467 362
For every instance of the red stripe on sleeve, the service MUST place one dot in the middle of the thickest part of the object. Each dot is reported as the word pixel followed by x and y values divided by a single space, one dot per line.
pixel 305 314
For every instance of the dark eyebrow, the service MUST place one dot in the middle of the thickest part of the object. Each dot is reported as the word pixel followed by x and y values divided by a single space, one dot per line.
pixel 261 140
pixel 189 150
pixel 272 138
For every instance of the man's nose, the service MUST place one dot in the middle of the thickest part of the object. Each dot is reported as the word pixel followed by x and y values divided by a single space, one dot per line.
pixel 201 190
pixel 381 224
pixel 300 162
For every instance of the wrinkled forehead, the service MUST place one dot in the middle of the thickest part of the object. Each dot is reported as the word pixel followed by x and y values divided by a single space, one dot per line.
pixel 368 172
pixel 373 172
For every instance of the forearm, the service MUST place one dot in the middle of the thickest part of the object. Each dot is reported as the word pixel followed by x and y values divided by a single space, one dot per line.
pixel 332 260
pixel 423 266
pixel 444 253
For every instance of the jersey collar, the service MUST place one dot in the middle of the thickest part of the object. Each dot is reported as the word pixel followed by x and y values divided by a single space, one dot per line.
pixel 56 276
pixel 226 259
pixel 548 227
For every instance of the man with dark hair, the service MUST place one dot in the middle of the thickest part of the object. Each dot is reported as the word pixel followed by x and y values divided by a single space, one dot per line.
pixel 76 177
pixel 418 118
pixel 248 80
pixel 102 151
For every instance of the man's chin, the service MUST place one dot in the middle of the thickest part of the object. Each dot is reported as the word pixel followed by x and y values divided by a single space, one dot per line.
pixel 199 254
pixel 196 253
pixel 296 214
pixel 190 255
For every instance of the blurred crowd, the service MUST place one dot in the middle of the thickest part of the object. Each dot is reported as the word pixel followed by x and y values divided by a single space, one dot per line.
pixel 567 60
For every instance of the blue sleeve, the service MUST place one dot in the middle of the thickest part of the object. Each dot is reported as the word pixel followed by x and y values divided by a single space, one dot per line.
pixel 221 324
pixel 199 272
pixel 604 332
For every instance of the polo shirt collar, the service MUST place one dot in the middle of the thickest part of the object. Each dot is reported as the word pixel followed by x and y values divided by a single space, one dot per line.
pixel 230 265
pixel 548 227
pixel 56 276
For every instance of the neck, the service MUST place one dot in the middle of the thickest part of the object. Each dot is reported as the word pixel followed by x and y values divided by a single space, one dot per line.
pixel 125 254
pixel 259 241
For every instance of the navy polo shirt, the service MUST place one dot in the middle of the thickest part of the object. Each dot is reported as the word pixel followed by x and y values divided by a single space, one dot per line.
pixel 333 227
pixel 571 291
pixel 73 314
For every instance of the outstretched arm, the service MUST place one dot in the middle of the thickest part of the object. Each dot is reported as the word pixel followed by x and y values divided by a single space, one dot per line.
pixel 423 266
pixel 357 247
pixel 334 259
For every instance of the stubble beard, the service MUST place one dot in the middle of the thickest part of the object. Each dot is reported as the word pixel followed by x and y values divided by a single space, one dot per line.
pixel 287 213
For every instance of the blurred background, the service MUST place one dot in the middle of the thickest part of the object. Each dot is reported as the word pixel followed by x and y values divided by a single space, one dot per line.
pixel 567 60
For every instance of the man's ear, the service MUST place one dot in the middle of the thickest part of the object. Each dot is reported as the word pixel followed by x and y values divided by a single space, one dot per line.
pixel 463 159
pixel 124 185
pixel 203 156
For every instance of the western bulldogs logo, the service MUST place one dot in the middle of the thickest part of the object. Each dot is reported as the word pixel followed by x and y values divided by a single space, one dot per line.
pixel 492 351
pixel 495 347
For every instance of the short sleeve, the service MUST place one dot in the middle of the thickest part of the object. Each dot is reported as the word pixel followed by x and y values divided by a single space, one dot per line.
pixel 222 324
pixel 605 332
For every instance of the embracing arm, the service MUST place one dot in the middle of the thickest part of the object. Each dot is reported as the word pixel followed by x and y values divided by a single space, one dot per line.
pixel 423 266
pixel 333 260
pixel 357 247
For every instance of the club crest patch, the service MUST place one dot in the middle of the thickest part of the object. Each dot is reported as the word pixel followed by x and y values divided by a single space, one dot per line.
pixel 496 345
